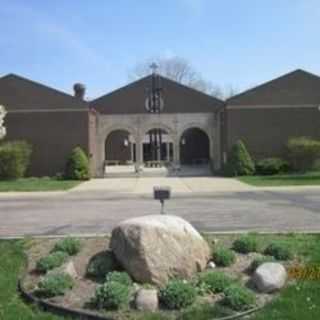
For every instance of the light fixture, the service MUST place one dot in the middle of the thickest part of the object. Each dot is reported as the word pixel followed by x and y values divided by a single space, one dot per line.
pixel 125 142
pixel 183 141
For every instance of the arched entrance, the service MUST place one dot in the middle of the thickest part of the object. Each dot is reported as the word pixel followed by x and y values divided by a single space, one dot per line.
pixel 157 151
pixel 194 147
pixel 119 148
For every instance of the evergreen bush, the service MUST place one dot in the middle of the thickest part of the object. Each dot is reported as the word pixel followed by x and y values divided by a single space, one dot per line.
pixel 246 244
pixel 112 295
pixel 279 250
pixel 178 294
pixel 53 260
pixel 77 167
pixel 239 298
pixel 54 285
pixel 239 162
pixel 215 281
pixel 223 257
pixel 120 277
pixel 101 264
pixel 70 246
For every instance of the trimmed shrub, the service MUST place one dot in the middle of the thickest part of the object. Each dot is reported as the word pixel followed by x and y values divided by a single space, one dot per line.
pixel 101 264
pixel 53 260
pixel 178 294
pixel 246 244
pixel 239 161
pixel 303 153
pixel 279 250
pixel 112 295
pixel 54 285
pixel 215 281
pixel 14 159
pixel 120 277
pixel 70 246
pixel 257 262
pixel 239 298
pixel 77 167
pixel 271 166
pixel 223 257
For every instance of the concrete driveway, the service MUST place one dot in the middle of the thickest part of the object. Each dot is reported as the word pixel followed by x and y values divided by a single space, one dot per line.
pixel 95 212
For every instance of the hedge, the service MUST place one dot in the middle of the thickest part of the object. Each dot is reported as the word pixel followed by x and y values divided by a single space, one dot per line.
pixel 303 153
pixel 14 159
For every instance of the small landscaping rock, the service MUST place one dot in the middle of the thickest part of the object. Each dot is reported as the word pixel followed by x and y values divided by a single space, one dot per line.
pixel 269 277
pixel 211 265
pixel 147 300
pixel 67 268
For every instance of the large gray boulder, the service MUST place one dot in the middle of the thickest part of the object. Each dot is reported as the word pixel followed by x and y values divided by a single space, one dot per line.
pixel 147 300
pixel 270 277
pixel 154 248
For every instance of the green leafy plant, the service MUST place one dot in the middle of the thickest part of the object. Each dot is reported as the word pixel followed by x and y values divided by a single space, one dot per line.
pixel 14 159
pixel 77 167
pixel 120 277
pixel 239 298
pixel 112 295
pixel 177 294
pixel 215 281
pixel 271 166
pixel 101 264
pixel 223 257
pixel 279 250
pixel 246 244
pixel 54 285
pixel 53 260
pixel 239 162
pixel 71 246
pixel 257 262
pixel 303 153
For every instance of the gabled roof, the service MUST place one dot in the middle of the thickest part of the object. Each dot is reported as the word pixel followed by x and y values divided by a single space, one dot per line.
pixel 177 99
pixel 18 93
pixel 295 88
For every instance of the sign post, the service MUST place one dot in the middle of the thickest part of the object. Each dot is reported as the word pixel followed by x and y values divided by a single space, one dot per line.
pixel 162 194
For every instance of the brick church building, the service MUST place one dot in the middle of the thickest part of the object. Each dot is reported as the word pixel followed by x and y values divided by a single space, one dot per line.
pixel 195 129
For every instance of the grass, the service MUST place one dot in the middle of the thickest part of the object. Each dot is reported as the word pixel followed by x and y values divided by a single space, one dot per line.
pixel 304 179
pixel 37 184
pixel 300 300
pixel 11 306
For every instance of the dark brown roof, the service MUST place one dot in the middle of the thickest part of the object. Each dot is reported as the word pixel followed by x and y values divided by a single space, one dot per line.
pixel 296 88
pixel 19 93
pixel 177 99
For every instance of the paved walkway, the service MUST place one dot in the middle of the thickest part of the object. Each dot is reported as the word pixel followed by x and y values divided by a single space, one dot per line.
pixel 95 212
pixel 178 185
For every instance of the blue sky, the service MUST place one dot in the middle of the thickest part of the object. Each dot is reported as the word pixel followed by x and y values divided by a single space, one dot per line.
pixel 232 42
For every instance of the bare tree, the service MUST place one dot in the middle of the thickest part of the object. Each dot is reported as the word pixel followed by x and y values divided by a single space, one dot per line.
pixel 180 70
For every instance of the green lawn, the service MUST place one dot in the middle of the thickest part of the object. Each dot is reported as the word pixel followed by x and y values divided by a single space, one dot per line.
pixel 298 301
pixel 306 179
pixel 37 184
